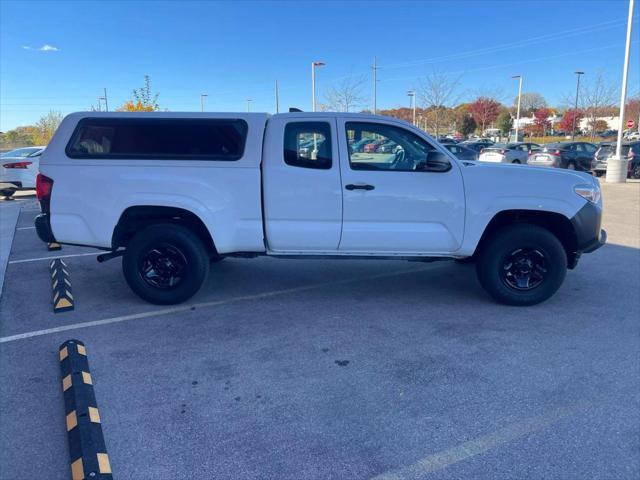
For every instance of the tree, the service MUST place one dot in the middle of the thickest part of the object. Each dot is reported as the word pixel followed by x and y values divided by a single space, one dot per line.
pixel 143 99
pixel 597 99
pixel 346 95
pixel 541 120
pixel 46 127
pixel 530 102
pixel 484 110
pixel 566 124
pixel 505 122
pixel 437 91
pixel 598 125
pixel 468 125
pixel 632 111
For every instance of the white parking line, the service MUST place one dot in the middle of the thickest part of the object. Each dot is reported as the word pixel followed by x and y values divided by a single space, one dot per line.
pixel 25 228
pixel 422 468
pixel 214 303
pixel 27 260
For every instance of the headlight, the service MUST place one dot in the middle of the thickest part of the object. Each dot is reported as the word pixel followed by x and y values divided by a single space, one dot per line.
pixel 588 192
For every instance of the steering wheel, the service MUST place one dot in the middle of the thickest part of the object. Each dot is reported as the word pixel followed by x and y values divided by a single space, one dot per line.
pixel 401 162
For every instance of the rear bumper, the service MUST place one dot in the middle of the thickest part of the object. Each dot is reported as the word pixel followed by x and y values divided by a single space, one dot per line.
pixel 43 228
pixel 8 184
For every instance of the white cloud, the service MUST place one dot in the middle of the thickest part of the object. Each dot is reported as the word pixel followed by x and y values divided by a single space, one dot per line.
pixel 44 48
pixel 48 48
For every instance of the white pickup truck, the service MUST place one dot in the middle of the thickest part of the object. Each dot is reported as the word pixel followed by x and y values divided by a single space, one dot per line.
pixel 174 192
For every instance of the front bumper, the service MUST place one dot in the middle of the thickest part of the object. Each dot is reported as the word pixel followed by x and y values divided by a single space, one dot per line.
pixel 43 228
pixel 587 227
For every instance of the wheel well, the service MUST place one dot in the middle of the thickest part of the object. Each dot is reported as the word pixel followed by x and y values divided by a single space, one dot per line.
pixel 136 218
pixel 556 223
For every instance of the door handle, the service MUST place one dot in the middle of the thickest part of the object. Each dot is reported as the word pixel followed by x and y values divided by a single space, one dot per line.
pixel 351 186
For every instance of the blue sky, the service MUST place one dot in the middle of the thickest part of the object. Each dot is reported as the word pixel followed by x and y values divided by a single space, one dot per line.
pixel 236 50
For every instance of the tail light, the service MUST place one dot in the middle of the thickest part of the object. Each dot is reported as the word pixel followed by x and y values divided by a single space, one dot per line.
pixel 17 165
pixel 529 152
pixel 503 151
pixel 482 150
pixel 556 153
pixel 44 185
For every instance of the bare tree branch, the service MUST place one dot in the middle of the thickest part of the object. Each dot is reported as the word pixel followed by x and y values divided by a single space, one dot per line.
pixel 346 95
pixel 437 92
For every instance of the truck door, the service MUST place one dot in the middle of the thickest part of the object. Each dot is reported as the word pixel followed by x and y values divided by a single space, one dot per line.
pixel 400 193
pixel 302 193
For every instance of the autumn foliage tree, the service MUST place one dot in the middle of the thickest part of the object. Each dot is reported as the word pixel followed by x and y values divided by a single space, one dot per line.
pixel 541 120
pixel 566 124
pixel 143 99
pixel 484 111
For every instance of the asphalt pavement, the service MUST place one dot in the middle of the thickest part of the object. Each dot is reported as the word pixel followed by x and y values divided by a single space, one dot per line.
pixel 338 369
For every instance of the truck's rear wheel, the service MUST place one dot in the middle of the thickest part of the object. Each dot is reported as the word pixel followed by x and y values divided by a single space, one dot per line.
pixel 165 264
pixel 522 265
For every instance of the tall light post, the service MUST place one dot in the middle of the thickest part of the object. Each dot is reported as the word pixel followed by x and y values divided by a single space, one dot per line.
pixel 313 83
pixel 375 67
pixel 575 106
pixel 249 100
pixel 519 77
pixel 202 96
pixel 617 164
pixel 412 103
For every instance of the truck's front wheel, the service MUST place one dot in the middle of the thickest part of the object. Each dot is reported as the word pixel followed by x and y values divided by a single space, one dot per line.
pixel 522 265
pixel 165 264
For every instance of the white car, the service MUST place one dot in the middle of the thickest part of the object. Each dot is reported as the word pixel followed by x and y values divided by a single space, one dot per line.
pixel 508 153
pixel 172 192
pixel 18 169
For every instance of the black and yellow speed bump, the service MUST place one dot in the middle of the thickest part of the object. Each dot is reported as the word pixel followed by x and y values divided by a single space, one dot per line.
pixel 87 450
pixel 51 246
pixel 62 297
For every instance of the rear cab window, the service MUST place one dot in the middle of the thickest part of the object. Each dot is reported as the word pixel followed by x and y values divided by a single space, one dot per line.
pixel 158 138
pixel 308 145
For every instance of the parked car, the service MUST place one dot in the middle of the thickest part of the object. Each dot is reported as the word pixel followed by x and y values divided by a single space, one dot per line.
pixel 387 147
pixel 569 155
pixel 631 150
pixel 172 192
pixel 477 145
pixel 358 146
pixel 373 146
pixel 461 152
pixel 517 152
pixel 18 170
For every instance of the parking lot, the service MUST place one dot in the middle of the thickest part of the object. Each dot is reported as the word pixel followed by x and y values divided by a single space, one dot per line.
pixel 331 369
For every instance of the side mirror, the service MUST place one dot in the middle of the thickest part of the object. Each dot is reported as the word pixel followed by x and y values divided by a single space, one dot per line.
pixel 435 162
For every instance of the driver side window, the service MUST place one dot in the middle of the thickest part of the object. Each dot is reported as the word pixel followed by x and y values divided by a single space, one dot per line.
pixel 376 146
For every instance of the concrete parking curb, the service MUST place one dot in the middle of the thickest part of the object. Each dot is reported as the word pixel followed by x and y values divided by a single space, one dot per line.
pixel 62 297
pixel 87 450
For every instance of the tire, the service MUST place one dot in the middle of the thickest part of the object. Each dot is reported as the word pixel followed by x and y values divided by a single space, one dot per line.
pixel 517 162
pixel 516 246
pixel 165 264
pixel 7 192
pixel 635 173
pixel 571 166
pixel 599 173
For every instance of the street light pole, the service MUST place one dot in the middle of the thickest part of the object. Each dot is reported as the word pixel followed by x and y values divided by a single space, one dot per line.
pixel 575 107
pixel 519 77
pixel 617 165
pixel 313 83
pixel 277 99
pixel 106 103
pixel 202 95
pixel 412 103
pixel 249 100
pixel 375 86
